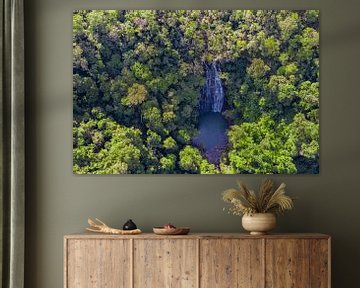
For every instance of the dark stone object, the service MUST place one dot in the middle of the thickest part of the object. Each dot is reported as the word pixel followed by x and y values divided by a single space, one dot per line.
pixel 129 225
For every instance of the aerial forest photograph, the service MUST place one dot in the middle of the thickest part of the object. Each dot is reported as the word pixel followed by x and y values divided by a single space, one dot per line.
pixel 196 92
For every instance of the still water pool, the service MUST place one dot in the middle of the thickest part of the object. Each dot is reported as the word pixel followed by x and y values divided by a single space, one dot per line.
pixel 212 138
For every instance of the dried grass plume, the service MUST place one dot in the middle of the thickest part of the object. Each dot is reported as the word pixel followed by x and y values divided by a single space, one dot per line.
pixel 267 200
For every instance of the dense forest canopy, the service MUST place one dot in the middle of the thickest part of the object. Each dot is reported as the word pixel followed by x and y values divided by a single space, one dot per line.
pixel 138 77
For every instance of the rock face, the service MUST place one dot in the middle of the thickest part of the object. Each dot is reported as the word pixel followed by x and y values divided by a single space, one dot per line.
pixel 212 96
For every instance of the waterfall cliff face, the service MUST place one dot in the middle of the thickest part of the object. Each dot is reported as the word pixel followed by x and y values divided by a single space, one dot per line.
pixel 212 96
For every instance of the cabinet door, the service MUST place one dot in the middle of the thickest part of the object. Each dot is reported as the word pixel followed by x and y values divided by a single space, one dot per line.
pixel 287 263
pixel 231 263
pixel 320 263
pixel 165 263
pixel 98 263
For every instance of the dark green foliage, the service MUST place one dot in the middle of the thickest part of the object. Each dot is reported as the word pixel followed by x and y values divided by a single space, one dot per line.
pixel 138 74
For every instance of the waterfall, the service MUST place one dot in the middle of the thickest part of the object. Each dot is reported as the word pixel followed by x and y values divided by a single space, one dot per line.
pixel 212 96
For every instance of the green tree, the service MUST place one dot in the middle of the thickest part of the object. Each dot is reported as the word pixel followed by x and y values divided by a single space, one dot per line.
pixel 137 94
pixel 191 161
pixel 261 147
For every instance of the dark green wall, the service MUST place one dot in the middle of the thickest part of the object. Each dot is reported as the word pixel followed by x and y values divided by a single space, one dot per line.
pixel 59 202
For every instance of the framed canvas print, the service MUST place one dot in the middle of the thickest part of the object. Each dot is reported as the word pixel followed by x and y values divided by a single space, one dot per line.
pixel 195 92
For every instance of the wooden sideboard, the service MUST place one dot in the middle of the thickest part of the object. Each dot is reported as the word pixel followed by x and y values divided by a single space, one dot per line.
pixel 197 260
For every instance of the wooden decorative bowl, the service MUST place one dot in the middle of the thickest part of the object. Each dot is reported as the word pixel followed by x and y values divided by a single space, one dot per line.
pixel 171 231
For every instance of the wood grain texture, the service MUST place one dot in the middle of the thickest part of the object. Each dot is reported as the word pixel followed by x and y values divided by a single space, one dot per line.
pixel 98 264
pixel 231 263
pixel 88 235
pixel 287 263
pixel 197 260
pixel 166 263
pixel 319 263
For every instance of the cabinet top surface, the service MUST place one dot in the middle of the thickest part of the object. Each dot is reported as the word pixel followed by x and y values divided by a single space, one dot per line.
pixel 87 235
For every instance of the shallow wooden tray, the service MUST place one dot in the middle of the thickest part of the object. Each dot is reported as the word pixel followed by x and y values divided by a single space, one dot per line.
pixel 171 231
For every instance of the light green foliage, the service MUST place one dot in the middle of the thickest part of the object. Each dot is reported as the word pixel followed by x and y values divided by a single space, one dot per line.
pixel 306 136
pixel 271 47
pixel 170 144
pixel 152 118
pixel 192 161
pixel 137 82
pixel 309 40
pixel 77 23
pixel 283 89
pixel 136 95
pixel 184 136
pixel 261 147
pixel 288 23
pixel 258 69
pixel 153 140
pixel 288 70
pixel 141 71
pixel 168 163
pixel 309 100
pixel 104 147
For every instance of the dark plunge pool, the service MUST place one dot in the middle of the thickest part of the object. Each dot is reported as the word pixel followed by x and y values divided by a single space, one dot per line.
pixel 212 138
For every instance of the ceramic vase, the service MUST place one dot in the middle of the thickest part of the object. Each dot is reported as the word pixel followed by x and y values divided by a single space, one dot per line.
pixel 259 223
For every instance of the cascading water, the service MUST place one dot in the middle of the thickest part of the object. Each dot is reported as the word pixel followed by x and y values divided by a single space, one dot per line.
pixel 212 138
pixel 212 96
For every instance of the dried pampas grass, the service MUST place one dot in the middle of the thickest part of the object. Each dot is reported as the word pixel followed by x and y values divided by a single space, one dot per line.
pixel 245 201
